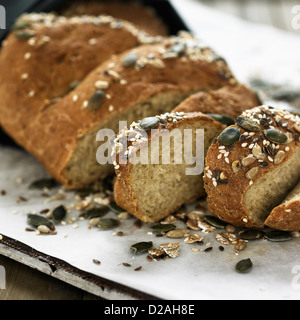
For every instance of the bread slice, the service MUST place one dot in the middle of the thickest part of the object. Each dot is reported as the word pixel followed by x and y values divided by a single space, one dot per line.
pixel 286 217
pixel 230 101
pixel 142 16
pixel 57 123
pixel 151 190
pixel 259 160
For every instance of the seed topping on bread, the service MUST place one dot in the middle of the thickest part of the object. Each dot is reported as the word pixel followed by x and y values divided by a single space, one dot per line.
pixel 263 134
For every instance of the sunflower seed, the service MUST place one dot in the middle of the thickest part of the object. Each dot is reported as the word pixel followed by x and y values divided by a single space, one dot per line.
pixel 280 156
pixel 177 233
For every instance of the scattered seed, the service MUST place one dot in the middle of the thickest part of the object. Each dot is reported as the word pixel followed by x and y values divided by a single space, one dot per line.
pixel 163 227
pixel 37 220
pixel 47 183
pixel 115 208
pixel 141 247
pixel 251 235
pixel 96 261
pixel 177 233
pixel 59 213
pixel 214 221
pixel 125 264
pixel 108 223
pixel 138 268
pixel 97 212
pixel 222 118
pixel 279 236
pixel 244 266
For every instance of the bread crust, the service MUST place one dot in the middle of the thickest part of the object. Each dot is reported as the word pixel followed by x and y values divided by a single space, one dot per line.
pixel 286 217
pixel 226 200
pixel 50 123
pixel 124 193
pixel 143 17
pixel 231 101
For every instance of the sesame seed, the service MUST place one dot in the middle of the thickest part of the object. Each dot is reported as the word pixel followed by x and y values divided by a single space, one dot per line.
pixel 101 84
pixel 92 41
pixel 227 160
pixel 24 76
pixel 27 55
pixel 75 97
pixel 31 93
pixel 244 145
pixel 111 108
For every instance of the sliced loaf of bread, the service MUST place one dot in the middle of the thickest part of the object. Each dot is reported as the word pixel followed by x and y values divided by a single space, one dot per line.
pixel 156 179
pixel 252 166
pixel 286 217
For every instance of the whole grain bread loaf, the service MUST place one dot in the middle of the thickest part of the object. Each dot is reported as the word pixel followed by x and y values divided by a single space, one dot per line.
pixel 154 180
pixel 252 166
pixel 64 79
pixel 140 15
pixel 230 101
pixel 286 216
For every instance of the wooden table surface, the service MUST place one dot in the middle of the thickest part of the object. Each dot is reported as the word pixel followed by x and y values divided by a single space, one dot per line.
pixel 25 283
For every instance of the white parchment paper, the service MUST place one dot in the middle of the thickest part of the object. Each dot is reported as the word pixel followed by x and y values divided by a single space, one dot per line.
pixel 250 50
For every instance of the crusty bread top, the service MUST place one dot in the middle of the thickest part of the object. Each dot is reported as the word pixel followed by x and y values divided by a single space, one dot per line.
pixel 130 139
pixel 39 115
pixel 231 101
pixel 233 165
pixel 142 16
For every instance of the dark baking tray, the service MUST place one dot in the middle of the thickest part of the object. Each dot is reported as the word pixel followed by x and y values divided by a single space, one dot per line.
pixel 14 8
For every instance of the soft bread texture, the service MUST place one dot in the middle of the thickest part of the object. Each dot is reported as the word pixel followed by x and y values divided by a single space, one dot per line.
pixel 259 172
pixel 231 101
pixel 286 217
pixel 152 191
pixel 143 17
pixel 43 112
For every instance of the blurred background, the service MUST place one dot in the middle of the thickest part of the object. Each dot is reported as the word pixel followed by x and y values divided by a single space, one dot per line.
pixel 277 13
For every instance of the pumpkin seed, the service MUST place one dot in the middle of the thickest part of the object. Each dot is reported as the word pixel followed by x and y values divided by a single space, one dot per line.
pixel 59 214
pixel 141 247
pixel 248 124
pixel 84 192
pixel 163 227
pixel 251 235
pixel 244 266
pixel 18 25
pixel 130 60
pixel 115 208
pixel 149 123
pixel 48 183
pixel 222 118
pixel 229 136
pixel 279 236
pixel 24 35
pixel 178 48
pixel 96 100
pixel 36 220
pixel 215 222
pixel 108 223
pixel 97 212
pixel 276 136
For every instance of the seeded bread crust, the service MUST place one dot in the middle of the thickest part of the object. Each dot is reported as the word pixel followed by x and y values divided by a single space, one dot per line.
pixel 247 164
pixel 286 217
pixel 143 17
pixel 124 192
pixel 39 111
pixel 231 101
